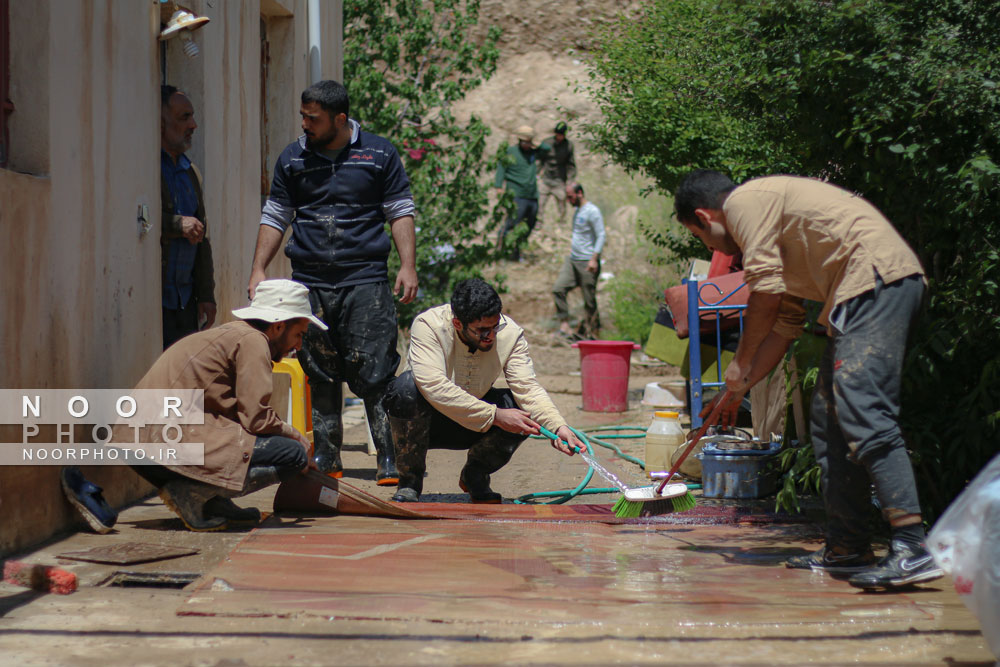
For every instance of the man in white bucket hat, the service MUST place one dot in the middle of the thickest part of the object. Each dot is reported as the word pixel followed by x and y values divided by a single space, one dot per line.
pixel 247 446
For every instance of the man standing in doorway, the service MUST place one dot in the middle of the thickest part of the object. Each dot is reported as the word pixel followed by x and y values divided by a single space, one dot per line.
pixel 805 239
pixel 558 165
pixel 337 187
pixel 187 277
pixel 521 179
pixel 583 265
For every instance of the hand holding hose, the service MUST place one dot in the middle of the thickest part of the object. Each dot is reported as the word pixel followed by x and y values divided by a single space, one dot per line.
pixel 567 442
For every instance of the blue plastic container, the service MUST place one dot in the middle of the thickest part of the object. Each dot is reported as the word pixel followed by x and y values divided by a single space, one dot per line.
pixel 737 473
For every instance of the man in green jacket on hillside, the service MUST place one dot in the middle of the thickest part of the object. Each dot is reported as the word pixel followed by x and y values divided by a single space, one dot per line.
pixel 520 177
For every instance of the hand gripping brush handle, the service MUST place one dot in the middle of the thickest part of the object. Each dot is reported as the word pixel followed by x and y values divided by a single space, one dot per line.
pixel 712 419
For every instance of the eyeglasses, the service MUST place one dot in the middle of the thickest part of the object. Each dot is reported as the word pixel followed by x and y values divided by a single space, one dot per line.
pixel 484 332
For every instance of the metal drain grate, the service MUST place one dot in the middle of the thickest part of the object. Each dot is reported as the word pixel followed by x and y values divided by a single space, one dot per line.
pixel 124 579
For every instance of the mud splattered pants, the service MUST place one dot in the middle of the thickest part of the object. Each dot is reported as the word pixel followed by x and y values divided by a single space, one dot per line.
pixel 423 428
pixel 855 411
pixel 358 348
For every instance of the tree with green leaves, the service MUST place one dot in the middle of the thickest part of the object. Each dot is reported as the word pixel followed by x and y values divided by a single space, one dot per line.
pixel 406 63
pixel 896 101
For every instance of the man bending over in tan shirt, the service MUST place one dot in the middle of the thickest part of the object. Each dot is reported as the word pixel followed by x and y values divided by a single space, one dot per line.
pixel 447 400
pixel 805 239
pixel 247 446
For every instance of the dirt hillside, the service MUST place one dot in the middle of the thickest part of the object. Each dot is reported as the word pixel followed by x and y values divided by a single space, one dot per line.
pixel 538 82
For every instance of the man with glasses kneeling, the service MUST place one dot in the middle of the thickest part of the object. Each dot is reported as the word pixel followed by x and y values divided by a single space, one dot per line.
pixel 447 399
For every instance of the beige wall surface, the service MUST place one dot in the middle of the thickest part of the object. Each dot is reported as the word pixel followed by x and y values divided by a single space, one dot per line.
pixel 80 304
pixel 29 77
pixel 79 298
pixel 231 136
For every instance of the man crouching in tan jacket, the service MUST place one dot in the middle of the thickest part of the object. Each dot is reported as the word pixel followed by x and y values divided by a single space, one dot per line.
pixel 247 447
pixel 447 399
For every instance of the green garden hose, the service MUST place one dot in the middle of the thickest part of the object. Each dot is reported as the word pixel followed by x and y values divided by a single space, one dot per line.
pixel 567 494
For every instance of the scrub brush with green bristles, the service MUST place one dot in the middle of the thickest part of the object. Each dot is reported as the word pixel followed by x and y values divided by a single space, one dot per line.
pixel 664 497
pixel 676 496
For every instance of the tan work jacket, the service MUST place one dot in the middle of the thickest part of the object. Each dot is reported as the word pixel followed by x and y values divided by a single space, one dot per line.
pixel 808 239
pixel 454 380
pixel 232 363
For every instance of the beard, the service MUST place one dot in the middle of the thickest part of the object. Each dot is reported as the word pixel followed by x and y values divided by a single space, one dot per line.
pixel 475 344
pixel 316 142
pixel 179 145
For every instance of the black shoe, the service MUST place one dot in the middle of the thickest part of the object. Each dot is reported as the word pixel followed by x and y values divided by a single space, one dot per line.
pixel 904 566
pixel 830 559
pixel 227 509
pixel 406 495
pixel 481 494
pixel 86 497
pixel 187 500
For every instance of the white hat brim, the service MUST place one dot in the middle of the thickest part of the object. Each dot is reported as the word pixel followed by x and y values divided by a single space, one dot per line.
pixel 274 315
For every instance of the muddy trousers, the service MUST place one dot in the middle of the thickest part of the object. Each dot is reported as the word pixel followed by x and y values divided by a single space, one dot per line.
pixel 855 411
pixel 419 427
pixel 574 273
pixel 358 348
pixel 274 459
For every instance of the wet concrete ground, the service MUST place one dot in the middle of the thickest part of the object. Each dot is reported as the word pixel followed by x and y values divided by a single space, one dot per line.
pixel 360 590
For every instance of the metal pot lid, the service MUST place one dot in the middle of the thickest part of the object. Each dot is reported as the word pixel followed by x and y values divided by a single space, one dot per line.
pixel 739 447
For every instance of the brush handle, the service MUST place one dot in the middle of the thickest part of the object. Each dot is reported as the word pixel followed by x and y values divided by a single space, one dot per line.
pixel 712 418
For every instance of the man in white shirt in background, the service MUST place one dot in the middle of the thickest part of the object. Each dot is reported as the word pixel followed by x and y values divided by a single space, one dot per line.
pixel 447 399
pixel 582 267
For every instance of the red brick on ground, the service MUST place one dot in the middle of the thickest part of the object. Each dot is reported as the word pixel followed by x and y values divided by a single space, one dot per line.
pixel 45 578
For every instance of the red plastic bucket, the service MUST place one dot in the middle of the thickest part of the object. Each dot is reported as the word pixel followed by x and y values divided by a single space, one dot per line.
pixel 604 368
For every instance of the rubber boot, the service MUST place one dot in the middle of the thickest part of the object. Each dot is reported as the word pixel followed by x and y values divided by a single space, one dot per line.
pixel 258 477
pixel 491 453
pixel 328 429
pixel 385 451
pixel 187 498
pixel 220 506
pixel 411 438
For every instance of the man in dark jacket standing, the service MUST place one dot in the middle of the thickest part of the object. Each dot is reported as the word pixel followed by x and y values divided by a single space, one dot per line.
pixel 558 167
pixel 188 282
pixel 336 187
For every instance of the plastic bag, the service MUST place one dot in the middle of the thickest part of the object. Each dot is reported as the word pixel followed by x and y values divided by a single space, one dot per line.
pixel 965 542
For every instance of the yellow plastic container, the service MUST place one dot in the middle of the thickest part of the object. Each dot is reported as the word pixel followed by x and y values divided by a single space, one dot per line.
pixel 663 437
pixel 299 403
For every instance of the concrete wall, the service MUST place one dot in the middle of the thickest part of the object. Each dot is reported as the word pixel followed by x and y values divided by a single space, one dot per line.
pixel 77 294
pixel 29 75
pixel 80 303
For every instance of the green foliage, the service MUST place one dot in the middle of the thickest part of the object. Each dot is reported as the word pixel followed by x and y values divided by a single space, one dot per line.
pixel 896 101
pixel 634 298
pixel 800 474
pixel 406 62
